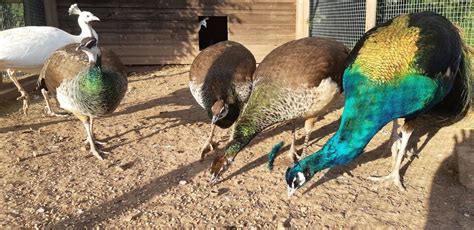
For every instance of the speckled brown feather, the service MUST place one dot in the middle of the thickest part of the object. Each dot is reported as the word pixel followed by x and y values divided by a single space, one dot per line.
pixel 67 63
pixel 222 71
pixel 223 59
pixel 299 67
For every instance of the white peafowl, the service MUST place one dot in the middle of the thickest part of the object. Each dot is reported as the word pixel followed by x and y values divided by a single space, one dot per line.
pixel 26 49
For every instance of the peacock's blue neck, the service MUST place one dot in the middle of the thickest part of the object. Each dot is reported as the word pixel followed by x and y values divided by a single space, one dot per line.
pixel 368 106
pixel 348 142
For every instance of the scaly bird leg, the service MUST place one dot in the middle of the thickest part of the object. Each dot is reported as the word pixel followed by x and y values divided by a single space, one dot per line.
pixel 87 122
pixel 24 95
pixel 292 153
pixel 208 143
pixel 396 140
pixel 48 108
pixel 93 139
pixel 308 127
pixel 397 156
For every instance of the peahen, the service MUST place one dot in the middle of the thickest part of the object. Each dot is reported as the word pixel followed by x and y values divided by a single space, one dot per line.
pixel 297 80
pixel 92 93
pixel 220 81
pixel 412 65
pixel 68 61
pixel 27 48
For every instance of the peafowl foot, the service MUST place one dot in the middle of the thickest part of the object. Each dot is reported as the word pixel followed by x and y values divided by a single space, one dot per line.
pixel 390 178
pixel 220 164
pixel 96 142
pixel 98 154
pixel 54 114
pixel 207 147
pixel 26 101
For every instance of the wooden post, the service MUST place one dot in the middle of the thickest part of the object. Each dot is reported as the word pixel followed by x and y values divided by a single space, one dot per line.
pixel 302 19
pixel 370 14
pixel 51 13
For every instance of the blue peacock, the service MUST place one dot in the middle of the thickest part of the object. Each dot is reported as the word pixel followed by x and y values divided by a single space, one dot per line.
pixel 412 65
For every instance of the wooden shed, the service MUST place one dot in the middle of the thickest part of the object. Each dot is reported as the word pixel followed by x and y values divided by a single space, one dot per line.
pixel 149 32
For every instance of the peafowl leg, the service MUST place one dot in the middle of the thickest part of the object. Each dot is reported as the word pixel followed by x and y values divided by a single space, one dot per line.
pixel 87 122
pixel 395 140
pixel 49 109
pixel 24 95
pixel 101 143
pixel 208 143
pixel 397 155
pixel 292 153
pixel 308 127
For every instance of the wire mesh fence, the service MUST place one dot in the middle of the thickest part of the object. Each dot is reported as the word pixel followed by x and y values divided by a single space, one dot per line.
pixel 343 21
pixel 11 15
pixel 460 12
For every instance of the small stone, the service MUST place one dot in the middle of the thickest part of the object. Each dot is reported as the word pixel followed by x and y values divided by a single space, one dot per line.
pixel 119 168
pixel 467 215
pixel 214 192
pixel 132 216
pixel 183 182
pixel 40 210
pixel 80 211
pixel 304 209
pixel 83 148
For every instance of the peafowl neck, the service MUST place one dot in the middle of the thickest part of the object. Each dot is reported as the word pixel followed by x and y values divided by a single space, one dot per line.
pixel 369 105
pixel 86 30
pixel 244 132
pixel 348 142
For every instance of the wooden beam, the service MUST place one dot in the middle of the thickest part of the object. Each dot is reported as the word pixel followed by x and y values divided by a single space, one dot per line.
pixel 51 13
pixel 370 14
pixel 302 19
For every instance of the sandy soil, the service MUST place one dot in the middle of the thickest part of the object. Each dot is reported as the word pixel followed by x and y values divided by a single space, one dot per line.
pixel 153 177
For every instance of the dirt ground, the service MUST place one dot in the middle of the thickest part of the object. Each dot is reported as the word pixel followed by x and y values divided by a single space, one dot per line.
pixel 153 176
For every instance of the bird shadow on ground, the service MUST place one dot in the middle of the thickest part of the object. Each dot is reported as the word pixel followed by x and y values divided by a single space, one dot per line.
pixel 174 118
pixel 134 198
pixel 451 205
pixel 180 97
pixel 382 151
pixel 315 136
pixel 159 75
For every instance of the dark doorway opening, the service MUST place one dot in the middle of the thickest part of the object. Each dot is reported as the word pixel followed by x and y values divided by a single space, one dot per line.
pixel 213 29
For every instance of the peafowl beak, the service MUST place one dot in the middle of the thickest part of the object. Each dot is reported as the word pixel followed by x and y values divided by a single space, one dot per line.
pixel 215 118
pixel 94 18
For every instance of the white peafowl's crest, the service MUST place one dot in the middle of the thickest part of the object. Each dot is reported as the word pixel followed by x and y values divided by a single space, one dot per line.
pixel 73 9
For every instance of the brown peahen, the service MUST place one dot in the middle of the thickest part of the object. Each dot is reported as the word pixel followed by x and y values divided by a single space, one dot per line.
pixel 220 80
pixel 299 79
pixel 93 92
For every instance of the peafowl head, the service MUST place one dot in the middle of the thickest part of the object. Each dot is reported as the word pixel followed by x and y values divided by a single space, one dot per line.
pixel 296 177
pixel 219 110
pixel 84 16
pixel 89 46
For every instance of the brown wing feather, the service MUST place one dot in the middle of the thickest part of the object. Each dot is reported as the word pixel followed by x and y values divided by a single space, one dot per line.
pixel 67 63
pixel 224 59
pixel 304 62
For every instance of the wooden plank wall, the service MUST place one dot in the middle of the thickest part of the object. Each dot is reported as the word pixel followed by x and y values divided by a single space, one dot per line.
pixel 148 32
